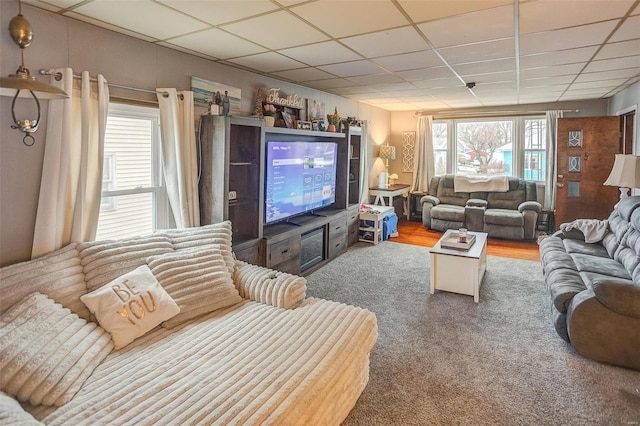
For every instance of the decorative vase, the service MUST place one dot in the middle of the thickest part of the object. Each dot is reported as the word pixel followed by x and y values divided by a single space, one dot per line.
pixel 269 120
pixel 331 128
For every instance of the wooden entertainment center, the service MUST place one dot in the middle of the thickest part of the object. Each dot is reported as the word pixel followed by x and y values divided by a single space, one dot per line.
pixel 232 181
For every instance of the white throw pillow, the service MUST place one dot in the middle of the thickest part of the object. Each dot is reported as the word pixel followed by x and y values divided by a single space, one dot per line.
pixel 131 305
pixel 198 280
pixel 47 352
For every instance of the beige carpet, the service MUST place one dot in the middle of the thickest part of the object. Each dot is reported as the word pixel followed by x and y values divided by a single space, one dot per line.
pixel 443 360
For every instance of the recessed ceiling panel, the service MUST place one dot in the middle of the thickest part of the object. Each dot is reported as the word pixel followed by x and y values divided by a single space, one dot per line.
pixel 226 45
pixel 277 30
pixel 303 74
pixel 485 67
pixel 373 79
pixel 618 49
pixel 569 38
pixel 267 62
pixel 327 52
pixel 474 27
pixel 560 57
pixel 629 30
pixel 384 43
pixel 614 64
pixel 159 21
pixel 605 75
pixel 340 18
pixel 570 69
pixel 484 51
pixel 220 11
pixel 545 15
pixel 348 69
pixel 422 11
pixel 409 61
pixel 426 73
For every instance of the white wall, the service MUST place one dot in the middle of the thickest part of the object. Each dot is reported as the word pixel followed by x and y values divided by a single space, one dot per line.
pixel 64 42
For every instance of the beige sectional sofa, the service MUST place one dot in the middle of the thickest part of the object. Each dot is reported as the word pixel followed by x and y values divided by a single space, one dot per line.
pixel 252 350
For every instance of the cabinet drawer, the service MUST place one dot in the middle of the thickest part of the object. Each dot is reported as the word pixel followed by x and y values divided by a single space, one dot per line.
pixel 337 228
pixel 353 216
pixel 338 245
pixel 283 251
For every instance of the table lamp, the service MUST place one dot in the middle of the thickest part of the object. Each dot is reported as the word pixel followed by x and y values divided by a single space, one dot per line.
pixel 386 153
pixel 625 173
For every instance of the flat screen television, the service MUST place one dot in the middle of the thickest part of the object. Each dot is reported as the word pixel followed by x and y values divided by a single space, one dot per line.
pixel 300 178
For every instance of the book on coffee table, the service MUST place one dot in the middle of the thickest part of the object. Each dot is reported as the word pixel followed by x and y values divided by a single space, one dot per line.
pixel 453 242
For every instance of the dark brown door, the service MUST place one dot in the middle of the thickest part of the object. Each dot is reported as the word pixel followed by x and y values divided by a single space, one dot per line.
pixel 586 151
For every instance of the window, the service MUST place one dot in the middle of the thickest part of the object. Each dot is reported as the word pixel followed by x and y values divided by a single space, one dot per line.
pixel 509 146
pixel 133 194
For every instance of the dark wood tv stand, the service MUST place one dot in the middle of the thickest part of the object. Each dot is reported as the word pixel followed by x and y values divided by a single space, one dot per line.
pixel 233 155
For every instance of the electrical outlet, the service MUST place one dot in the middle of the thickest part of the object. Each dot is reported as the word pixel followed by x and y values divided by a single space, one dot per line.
pixel 232 195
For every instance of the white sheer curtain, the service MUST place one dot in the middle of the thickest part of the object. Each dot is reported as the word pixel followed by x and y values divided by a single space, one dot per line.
pixel 552 159
pixel 71 185
pixel 179 155
pixel 364 159
pixel 424 166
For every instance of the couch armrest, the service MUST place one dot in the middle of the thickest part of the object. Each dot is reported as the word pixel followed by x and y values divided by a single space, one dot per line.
pixel 477 202
pixel 430 199
pixel 530 205
pixel 267 286
pixel 12 413
pixel 619 295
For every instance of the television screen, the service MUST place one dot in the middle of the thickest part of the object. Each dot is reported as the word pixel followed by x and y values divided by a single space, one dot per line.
pixel 300 177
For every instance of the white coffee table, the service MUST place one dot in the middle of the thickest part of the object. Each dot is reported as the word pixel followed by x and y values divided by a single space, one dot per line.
pixel 459 271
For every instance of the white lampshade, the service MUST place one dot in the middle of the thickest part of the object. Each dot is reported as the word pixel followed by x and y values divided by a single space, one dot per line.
pixel 625 172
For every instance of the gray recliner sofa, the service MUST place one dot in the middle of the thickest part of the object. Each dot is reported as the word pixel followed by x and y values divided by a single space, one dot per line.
pixel 509 215
pixel 595 287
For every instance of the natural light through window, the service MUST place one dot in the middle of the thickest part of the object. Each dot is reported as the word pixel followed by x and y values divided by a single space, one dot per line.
pixel 132 192
pixel 484 148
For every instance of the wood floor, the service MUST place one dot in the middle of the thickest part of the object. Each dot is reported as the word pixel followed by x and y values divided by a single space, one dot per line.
pixel 415 233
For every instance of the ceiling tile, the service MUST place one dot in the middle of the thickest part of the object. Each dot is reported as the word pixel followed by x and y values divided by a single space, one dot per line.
pixel 606 75
pixel 328 84
pixel 484 67
pixel 630 29
pixel 614 64
pixel 421 11
pixel 373 79
pixel 353 90
pixel 491 77
pixel 425 73
pixel 535 16
pixel 569 69
pixel 610 84
pixel 546 81
pixel 384 43
pixel 409 61
pixel 395 87
pixel 560 57
pixel 484 25
pixel 433 83
pixel 226 45
pixel 277 30
pixel 569 38
pixel 327 52
pixel 303 74
pixel 53 6
pixel 348 69
pixel 341 18
pixel 102 24
pixel 159 21
pixel 622 48
pixel 220 11
pixel 484 51
pixel 267 62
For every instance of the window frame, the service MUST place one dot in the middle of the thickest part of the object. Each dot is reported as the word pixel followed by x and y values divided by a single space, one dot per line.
pixel 160 202
pixel 518 141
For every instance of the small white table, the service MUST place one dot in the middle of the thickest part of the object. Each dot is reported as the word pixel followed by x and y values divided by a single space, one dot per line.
pixel 376 214
pixel 396 190
pixel 459 271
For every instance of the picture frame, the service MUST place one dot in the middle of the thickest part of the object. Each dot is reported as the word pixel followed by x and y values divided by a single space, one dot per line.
pixel 288 120
pixel 303 125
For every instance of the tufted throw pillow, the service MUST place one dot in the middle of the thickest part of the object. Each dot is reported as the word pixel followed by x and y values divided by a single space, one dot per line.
pixel 104 261
pixel 203 237
pixel 47 352
pixel 198 280
pixel 131 305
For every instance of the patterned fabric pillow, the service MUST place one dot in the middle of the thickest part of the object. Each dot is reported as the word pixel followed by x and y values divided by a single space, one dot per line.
pixel 131 305
pixel 47 352
pixel 198 280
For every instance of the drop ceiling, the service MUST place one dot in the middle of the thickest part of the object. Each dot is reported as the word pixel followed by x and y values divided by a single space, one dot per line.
pixel 399 54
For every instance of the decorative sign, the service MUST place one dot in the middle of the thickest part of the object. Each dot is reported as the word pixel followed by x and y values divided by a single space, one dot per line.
pixel 408 146
pixel 291 101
